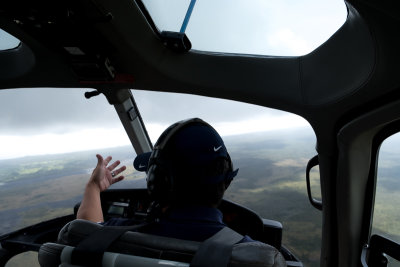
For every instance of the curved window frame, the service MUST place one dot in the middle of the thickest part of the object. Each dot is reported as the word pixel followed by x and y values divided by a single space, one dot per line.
pixel 375 247
pixel 8 41
pixel 379 138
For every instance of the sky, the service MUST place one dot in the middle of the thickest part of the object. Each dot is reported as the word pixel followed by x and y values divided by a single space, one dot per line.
pixel 48 120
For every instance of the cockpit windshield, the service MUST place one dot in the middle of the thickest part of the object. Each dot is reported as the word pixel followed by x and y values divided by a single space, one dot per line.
pixel 52 136
pixel 271 149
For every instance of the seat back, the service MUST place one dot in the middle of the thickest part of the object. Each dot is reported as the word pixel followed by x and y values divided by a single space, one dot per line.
pixel 52 254
pixel 157 249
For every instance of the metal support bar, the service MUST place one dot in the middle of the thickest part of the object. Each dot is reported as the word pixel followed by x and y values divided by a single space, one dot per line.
pixel 187 17
pixel 128 112
pixel 134 126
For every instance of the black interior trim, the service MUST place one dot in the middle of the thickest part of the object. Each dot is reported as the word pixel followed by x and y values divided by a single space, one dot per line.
pixel 148 17
pixel 379 248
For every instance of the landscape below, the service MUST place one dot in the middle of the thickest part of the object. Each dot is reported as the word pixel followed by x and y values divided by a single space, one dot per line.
pixel 271 181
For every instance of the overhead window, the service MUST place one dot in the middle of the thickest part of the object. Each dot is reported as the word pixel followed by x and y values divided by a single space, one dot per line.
pixel 281 28
pixel 7 41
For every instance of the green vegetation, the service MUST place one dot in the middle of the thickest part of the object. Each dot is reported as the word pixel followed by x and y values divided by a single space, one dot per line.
pixel 29 258
pixel 33 189
pixel 271 181
pixel 386 219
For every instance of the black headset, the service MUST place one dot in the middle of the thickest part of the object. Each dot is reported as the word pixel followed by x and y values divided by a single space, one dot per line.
pixel 160 174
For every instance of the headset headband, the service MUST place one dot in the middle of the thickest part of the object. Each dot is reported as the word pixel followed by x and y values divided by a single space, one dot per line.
pixel 174 128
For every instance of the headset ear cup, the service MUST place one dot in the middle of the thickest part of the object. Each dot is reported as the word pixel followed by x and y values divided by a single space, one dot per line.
pixel 227 184
pixel 159 182
pixel 151 180
pixel 228 180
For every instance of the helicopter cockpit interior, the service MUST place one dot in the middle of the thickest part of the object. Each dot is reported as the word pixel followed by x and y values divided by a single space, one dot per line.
pixel 325 196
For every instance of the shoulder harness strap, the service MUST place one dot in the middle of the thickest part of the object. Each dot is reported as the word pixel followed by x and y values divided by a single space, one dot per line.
pixel 217 250
pixel 90 251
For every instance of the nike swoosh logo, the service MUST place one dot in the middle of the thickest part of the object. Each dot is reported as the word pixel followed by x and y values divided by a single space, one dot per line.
pixel 141 166
pixel 216 149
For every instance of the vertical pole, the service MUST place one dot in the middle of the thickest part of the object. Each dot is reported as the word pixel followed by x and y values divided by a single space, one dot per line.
pixel 187 17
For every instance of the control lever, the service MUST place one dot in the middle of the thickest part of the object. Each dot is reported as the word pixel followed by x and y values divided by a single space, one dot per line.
pixel 91 94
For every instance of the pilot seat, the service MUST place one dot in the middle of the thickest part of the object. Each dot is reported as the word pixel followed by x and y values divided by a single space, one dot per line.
pixel 84 243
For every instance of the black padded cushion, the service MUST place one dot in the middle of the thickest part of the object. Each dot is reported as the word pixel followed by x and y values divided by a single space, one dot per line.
pixel 49 254
pixel 146 245
pixel 132 243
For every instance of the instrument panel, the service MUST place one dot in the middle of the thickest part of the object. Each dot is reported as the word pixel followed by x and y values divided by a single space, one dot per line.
pixel 135 203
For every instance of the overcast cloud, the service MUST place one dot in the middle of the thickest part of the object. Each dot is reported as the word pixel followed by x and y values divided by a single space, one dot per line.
pixel 161 107
pixel 59 111
pixel 52 110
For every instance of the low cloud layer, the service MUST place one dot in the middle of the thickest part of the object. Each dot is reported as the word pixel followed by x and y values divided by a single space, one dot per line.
pixel 51 110
pixel 59 111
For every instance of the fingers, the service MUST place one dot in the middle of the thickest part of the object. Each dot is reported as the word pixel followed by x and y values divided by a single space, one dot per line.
pixel 99 159
pixel 123 168
pixel 118 171
pixel 115 164
pixel 107 160
pixel 118 179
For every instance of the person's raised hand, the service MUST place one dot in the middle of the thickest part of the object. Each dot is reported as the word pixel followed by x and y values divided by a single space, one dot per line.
pixel 103 176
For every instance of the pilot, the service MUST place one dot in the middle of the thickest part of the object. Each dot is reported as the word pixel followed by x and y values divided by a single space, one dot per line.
pixel 188 172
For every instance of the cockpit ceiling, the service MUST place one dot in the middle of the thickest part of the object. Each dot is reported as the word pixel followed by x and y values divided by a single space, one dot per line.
pixel 110 45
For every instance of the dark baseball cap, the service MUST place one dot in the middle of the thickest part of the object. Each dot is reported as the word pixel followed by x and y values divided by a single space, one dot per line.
pixel 194 146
